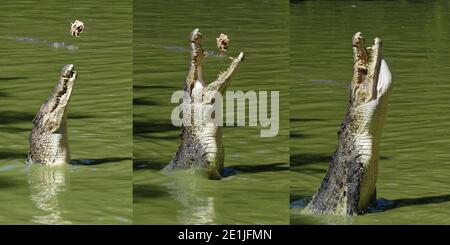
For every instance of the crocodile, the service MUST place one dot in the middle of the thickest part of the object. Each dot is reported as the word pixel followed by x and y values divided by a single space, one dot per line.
pixel 48 137
pixel 201 140
pixel 349 187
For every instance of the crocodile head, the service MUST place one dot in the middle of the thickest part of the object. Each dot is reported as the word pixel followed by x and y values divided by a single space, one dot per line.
pixel 371 76
pixel 370 90
pixel 48 139
pixel 52 113
pixel 195 86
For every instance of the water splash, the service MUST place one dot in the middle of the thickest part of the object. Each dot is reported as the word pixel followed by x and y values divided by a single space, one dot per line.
pixel 55 45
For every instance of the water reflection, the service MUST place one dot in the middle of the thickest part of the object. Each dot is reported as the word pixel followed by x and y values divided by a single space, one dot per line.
pixel 47 185
pixel 197 206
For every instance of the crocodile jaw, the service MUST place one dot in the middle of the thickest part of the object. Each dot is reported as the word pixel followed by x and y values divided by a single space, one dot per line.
pixel 48 138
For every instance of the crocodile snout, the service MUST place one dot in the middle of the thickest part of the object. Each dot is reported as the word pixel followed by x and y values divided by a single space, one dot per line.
pixel 68 71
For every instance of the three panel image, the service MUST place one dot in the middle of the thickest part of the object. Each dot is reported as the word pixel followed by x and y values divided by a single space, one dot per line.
pixel 235 112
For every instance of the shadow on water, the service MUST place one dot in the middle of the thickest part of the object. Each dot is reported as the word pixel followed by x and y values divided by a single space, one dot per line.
pixel 154 87
pixel 143 164
pixel 297 1
pixel 12 129
pixel 304 159
pixel 148 191
pixel 385 205
pixel 13 155
pixel 173 137
pixel 294 135
pixel 139 101
pixel 11 78
pixel 98 161
pixel 152 127
pixel 10 117
pixel 294 120
pixel 271 167
pixel 6 182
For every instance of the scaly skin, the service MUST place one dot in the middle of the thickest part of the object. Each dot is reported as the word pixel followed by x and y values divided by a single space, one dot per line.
pixel 201 142
pixel 349 186
pixel 48 139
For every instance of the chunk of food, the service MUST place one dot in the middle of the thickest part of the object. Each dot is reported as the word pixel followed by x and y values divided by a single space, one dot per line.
pixel 76 28
pixel 222 42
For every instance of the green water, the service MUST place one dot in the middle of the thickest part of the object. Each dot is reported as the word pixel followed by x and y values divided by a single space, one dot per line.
pixel 414 165
pixel 134 54
pixel 258 192
pixel 95 188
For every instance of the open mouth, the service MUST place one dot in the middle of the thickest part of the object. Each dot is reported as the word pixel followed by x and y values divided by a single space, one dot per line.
pixel 367 63
pixel 195 73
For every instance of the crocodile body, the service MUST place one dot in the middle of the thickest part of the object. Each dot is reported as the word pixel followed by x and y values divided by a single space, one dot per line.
pixel 201 140
pixel 48 139
pixel 349 186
